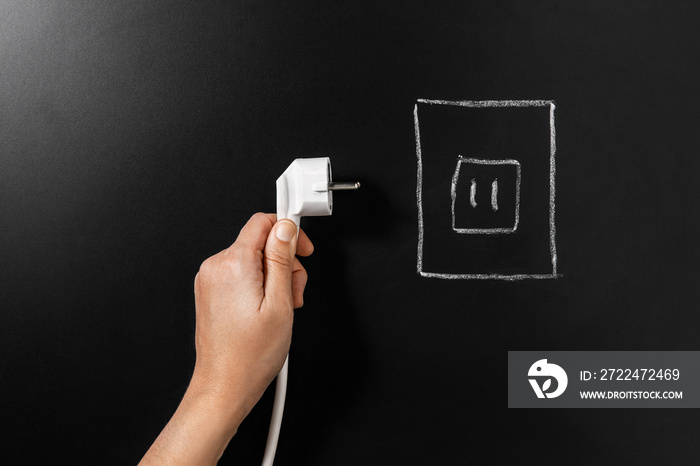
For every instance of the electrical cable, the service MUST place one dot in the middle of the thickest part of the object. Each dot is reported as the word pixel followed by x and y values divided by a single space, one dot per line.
pixel 273 434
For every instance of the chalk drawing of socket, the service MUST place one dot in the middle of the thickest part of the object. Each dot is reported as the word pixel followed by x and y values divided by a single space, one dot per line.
pixel 547 371
pixel 486 212
pixel 496 152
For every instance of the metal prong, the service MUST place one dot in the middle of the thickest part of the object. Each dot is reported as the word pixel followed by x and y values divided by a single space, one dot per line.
pixel 343 185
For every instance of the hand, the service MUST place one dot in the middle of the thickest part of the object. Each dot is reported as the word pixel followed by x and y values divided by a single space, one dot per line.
pixel 244 298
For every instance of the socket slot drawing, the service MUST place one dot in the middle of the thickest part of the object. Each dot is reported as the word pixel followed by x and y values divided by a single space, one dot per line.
pixel 483 176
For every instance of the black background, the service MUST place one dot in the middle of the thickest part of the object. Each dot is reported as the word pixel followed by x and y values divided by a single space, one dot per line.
pixel 136 138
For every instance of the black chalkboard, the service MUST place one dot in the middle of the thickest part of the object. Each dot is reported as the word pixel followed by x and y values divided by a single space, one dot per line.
pixel 136 138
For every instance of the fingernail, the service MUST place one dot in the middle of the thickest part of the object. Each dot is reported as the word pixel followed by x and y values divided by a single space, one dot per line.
pixel 285 231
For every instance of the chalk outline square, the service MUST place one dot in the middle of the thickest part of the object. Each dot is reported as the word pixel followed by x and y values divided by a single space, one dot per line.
pixel 453 193
pixel 552 191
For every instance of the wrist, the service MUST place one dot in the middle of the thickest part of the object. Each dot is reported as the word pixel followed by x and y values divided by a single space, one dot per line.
pixel 200 429
pixel 225 407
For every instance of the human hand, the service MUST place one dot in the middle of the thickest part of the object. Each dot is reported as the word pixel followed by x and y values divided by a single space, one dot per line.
pixel 244 297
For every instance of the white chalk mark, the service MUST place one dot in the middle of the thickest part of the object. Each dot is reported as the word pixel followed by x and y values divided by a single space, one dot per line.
pixel 472 193
pixel 419 191
pixel 489 103
pixel 552 192
pixel 453 186
pixel 494 195
pixel 455 179
pixel 489 276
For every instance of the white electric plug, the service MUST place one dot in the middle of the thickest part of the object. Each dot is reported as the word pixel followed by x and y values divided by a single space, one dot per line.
pixel 305 189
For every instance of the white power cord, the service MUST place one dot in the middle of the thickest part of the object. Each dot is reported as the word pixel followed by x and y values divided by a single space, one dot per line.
pixel 273 434
pixel 305 189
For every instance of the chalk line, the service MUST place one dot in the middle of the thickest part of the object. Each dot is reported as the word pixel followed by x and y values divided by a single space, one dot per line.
pixel 419 191
pixel 488 103
pixel 489 276
pixel 552 187
pixel 453 189
pixel 494 195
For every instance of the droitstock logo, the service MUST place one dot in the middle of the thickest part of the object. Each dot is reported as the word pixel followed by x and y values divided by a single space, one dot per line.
pixel 542 373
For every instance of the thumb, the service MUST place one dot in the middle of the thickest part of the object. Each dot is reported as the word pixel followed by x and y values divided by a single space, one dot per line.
pixel 279 253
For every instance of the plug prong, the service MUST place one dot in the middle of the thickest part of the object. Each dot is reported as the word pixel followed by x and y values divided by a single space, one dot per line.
pixel 343 185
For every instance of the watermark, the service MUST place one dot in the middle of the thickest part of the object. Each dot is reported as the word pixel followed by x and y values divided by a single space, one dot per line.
pixel 604 379
pixel 546 372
